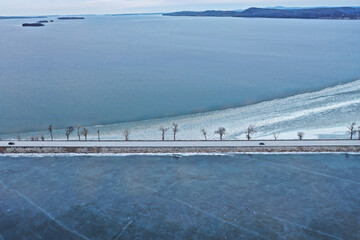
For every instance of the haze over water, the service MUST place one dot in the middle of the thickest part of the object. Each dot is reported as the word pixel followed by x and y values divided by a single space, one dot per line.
pixel 115 69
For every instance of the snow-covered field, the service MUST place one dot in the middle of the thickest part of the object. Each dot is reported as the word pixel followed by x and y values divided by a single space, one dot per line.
pixel 323 114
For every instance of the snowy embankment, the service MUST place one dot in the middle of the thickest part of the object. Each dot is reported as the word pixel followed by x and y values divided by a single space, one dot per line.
pixel 322 114
pixel 178 146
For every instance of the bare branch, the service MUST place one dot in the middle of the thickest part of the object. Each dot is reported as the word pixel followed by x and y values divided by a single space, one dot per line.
pixel 163 131
pixel 50 128
pixel 175 130
pixel 250 131
pixel 42 136
pixel 300 135
pixel 221 131
pixel 68 131
pixel 85 132
pixel 276 136
pixel 78 131
pixel 126 133
pixel 204 133
pixel 98 133
pixel 352 129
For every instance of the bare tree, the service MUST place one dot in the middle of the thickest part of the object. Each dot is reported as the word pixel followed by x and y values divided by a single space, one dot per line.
pixel 98 132
pixel 204 133
pixel 250 131
pixel 175 129
pixel 50 128
pixel 68 131
pixel 78 132
pixel 42 136
pixel 352 129
pixel 34 138
pixel 276 136
pixel 126 133
pixel 163 131
pixel 221 131
pixel 300 135
pixel 18 138
pixel 85 132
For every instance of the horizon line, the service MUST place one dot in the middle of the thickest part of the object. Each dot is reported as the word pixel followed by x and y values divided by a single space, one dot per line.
pixel 144 13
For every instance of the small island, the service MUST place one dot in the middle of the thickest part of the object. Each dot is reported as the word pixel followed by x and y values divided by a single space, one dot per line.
pixel 38 24
pixel 43 21
pixel 70 18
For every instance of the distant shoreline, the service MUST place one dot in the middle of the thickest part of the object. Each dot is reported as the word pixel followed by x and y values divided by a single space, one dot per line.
pixel 336 13
pixel 20 17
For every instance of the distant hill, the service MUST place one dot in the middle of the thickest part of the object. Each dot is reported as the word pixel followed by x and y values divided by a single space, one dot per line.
pixel 209 13
pixel 303 13
pixel 132 14
pixel 71 18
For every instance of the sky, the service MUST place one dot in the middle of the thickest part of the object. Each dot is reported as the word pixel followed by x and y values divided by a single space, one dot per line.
pixel 49 7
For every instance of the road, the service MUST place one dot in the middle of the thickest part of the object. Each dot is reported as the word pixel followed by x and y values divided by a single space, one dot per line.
pixel 164 144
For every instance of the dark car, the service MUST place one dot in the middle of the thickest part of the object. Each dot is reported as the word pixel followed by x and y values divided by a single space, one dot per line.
pixel 261 144
pixel 11 143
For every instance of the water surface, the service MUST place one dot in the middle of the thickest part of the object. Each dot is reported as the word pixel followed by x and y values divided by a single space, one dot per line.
pixel 114 69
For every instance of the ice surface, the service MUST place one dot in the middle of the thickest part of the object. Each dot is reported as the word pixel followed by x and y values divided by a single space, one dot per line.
pixel 312 196
pixel 321 114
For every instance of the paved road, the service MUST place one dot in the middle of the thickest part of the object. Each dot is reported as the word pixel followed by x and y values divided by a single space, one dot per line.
pixel 282 143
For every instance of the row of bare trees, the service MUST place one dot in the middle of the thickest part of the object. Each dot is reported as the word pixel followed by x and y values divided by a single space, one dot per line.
pixel 174 128
pixel 68 131
pixel 84 132
pixel 221 131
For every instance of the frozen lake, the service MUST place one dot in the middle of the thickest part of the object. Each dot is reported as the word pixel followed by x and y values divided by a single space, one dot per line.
pixel 105 70
pixel 199 197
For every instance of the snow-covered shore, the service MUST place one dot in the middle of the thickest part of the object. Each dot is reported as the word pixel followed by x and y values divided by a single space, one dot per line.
pixel 323 114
